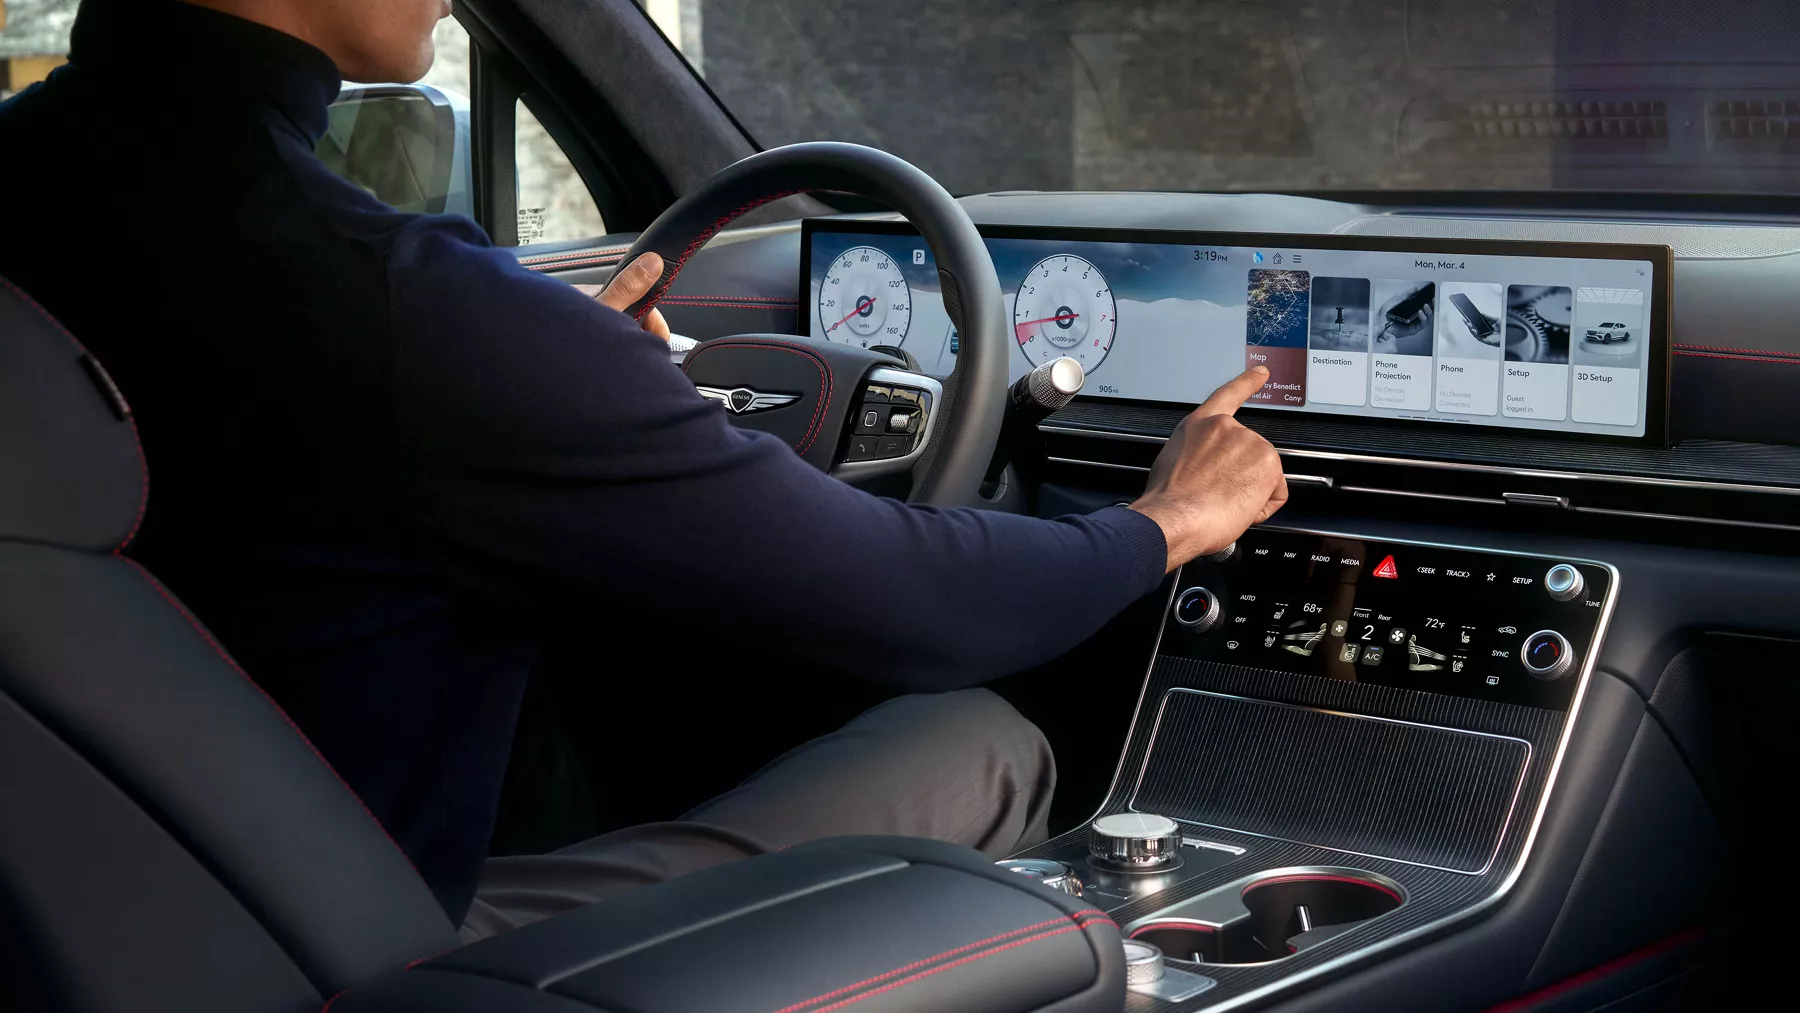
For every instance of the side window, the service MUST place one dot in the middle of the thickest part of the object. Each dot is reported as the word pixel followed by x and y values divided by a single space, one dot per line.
pixel 413 147
pixel 554 203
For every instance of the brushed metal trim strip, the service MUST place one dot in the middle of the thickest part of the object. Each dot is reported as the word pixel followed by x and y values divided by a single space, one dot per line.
pixel 1413 462
pixel 1537 818
pixel 1098 464
pixel 1689 518
pixel 1499 839
pixel 1412 494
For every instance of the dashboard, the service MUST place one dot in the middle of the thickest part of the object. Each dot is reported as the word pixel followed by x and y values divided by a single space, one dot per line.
pixel 1564 338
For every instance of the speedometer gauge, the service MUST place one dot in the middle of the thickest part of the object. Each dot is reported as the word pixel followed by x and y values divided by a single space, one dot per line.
pixel 864 299
pixel 1064 307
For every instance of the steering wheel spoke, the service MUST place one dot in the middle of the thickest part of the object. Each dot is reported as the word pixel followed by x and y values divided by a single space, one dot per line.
pixel 891 425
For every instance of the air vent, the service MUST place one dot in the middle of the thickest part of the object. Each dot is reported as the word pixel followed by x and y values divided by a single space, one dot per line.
pixel 1753 124
pixel 1531 126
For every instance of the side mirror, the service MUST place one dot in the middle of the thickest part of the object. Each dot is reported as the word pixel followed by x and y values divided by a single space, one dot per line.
pixel 407 144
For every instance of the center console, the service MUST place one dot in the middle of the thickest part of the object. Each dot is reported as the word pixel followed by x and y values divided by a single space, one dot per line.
pixel 1343 744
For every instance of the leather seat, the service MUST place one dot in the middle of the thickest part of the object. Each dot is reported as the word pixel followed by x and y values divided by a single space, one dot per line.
pixel 168 839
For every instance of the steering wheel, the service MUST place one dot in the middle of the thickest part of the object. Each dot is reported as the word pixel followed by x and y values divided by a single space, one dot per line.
pixel 847 410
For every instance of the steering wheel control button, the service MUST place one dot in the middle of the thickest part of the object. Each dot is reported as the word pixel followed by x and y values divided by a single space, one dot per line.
pixel 1197 609
pixel 901 421
pixel 869 419
pixel 1143 963
pixel 1547 655
pixel 1134 842
pixel 862 448
pixel 1564 582
pixel 874 394
pixel 889 447
pixel 901 395
pixel 1059 876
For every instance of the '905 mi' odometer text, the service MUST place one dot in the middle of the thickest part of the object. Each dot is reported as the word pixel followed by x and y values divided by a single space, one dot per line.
pixel 864 299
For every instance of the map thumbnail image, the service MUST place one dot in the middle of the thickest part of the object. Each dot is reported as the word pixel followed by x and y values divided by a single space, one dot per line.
pixel 1275 322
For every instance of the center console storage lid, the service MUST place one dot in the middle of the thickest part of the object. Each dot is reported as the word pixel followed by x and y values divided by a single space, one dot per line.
pixel 878 923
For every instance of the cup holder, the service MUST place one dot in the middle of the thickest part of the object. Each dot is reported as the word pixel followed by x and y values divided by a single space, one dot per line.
pixel 1274 917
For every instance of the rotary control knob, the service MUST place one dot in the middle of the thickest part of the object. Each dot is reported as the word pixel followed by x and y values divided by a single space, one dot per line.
pixel 1564 582
pixel 1547 655
pixel 1143 963
pixel 1197 609
pixel 1059 876
pixel 1134 842
pixel 1224 554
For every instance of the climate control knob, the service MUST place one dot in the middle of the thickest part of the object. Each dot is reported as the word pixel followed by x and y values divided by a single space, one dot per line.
pixel 1547 655
pixel 1564 582
pixel 1135 842
pixel 1197 609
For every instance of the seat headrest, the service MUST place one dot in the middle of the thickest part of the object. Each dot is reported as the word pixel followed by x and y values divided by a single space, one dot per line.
pixel 71 470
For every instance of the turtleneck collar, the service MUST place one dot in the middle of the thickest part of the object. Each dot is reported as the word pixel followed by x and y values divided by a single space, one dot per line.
pixel 165 38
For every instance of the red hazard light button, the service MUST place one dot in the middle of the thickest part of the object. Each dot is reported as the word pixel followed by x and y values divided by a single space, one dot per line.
pixel 1386 568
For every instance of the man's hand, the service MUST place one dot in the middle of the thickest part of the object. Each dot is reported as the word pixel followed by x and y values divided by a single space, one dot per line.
pixel 628 285
pixel 1214 478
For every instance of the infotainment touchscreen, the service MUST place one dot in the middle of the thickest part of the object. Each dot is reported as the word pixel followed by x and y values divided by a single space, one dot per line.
pixel 1550 337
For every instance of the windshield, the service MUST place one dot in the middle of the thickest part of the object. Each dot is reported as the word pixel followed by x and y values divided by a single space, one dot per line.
pixel 1278 95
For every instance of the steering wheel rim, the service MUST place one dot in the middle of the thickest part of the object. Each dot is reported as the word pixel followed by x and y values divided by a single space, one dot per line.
pixel 968 420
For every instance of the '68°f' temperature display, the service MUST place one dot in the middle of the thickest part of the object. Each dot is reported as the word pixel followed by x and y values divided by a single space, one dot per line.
pixel 864 299
pixel 1064 307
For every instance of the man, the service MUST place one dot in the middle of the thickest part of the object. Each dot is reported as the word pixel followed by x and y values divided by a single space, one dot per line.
pixel 387 462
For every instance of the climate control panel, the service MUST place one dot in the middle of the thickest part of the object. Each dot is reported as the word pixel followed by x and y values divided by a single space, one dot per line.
pixel 1507 627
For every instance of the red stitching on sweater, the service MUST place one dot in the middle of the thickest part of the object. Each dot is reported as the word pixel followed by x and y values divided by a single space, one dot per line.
pixel 915 965
pixel 1741 358
pixel 219 649
pixel 1752 351
pixel 701 240
pixel 137 441
pixel 824 406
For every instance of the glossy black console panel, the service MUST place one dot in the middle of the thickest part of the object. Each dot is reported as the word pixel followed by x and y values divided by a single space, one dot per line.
pixel 1264 754
pixel 1432 618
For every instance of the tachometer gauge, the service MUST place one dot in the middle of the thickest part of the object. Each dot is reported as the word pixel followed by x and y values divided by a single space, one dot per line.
pixel 864 299
pixel 1064 307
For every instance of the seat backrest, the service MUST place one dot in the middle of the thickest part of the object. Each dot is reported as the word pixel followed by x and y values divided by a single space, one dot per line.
pixel 168 838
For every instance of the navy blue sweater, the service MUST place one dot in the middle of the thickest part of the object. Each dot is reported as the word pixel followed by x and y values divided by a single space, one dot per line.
pixel 386 460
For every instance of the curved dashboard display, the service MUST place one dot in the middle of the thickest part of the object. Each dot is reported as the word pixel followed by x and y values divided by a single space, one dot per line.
pixel 1555 338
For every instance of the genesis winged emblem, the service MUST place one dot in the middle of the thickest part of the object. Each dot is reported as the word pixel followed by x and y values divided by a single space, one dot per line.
pixel 743 400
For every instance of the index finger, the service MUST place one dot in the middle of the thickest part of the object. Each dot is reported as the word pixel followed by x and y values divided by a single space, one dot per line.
pixel 1233 393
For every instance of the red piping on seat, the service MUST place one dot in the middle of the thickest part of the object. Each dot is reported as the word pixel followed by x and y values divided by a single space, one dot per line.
pixel 1532 1000
pixel 239 669
pixel 137 442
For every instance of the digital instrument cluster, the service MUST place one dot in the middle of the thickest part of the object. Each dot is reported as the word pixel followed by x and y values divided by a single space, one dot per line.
pixel 1545 337
pixel 1492 626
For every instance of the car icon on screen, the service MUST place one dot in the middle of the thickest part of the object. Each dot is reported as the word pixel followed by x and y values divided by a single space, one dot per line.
pixel 1608 333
